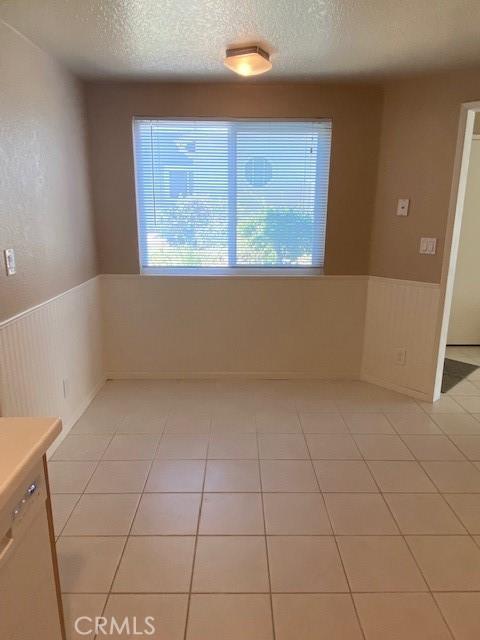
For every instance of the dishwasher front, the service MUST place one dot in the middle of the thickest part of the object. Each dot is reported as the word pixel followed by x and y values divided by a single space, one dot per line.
pixel 29 607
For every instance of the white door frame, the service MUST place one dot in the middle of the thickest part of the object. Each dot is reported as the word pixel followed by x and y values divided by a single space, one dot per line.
pixel 452 236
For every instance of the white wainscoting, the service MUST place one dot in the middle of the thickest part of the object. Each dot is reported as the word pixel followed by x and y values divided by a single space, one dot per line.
pixel 58 340
pixel 401 315
pixel 240 326
pixel 318 327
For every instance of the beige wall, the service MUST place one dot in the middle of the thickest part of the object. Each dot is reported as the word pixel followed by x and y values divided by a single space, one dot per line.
pixel 417 150
pixel 464 327
pixel 45 210
pixel 355 111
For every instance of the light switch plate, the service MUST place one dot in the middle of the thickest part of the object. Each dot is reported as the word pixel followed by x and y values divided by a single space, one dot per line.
pixel 428 246
pixel 402 206
pixel 10 266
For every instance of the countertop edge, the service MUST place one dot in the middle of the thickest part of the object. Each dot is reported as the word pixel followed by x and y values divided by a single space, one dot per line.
pixel 32 456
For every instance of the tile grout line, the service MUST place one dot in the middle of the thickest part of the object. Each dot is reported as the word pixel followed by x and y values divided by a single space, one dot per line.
pixel 442 493
pixel 195 544
pixel 272 617
pixel 365 460
pixel 115 573
pixel 336 542
pixel 431 593
pixel 97 463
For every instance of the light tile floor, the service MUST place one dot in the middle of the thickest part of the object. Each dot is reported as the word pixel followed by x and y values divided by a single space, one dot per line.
pixel 272 510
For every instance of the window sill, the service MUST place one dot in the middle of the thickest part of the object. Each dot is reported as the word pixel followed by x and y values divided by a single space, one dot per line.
pixel 234 272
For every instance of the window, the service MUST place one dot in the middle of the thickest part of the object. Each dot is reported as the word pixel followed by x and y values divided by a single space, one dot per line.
pixel 238 194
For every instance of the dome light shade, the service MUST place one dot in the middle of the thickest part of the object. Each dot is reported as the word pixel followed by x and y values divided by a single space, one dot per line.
pixel 248 61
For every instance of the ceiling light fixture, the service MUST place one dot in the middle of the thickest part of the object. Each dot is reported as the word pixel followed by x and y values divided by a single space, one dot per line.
pixel 248 61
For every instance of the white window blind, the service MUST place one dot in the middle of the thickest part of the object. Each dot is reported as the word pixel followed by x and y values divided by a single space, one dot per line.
pixel 231 194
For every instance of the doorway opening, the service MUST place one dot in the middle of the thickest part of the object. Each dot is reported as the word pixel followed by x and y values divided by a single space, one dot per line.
pixel 458 363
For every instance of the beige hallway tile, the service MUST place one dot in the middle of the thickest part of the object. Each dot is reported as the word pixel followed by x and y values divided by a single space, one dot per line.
pixel 463 388
pixel 413 424
pixel 405 477
pixel 470 403
pixel 288 475
pixel 169 612
pixel 379 563
pixel 449 563
pixel 232 475
pixel 233 446
pixel 444 405
pixel 98 423
pixel 155 564
pixel 167 514
pixel 192 422
pixel 432 448
pixel 400 616
pixel 461 613
pixel 368 423
pixel 295 514
pixel 314 403
pixel 344 476
pixel 233 421
pixel 119 477
pixel 177 447
pixel 82 605
pixel 231 513
pixel 88 564
pixel 142 423
pixel 278 446
pixel 469 445
pixel 270 421
pixel 423 513
pixel 232 617
pixel 467 508
pixel 82 447
pixel 458 424
pixel 69 477
pixel 454 477
pixel 230 564
pixel 305 563
pixel 382 447
pixel 176 475
pixel 102 515
pixel 62 506
pixel 332 447
pixel 359 514
pixel 320 616
pixel 132 447
pixel 323 423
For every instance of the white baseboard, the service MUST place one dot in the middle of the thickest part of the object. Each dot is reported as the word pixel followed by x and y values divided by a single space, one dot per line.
pixel 213 375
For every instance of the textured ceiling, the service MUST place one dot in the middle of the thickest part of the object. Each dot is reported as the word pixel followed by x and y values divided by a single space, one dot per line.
pixel 185 39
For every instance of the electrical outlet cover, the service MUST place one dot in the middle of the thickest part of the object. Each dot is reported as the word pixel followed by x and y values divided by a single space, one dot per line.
pixel 402 206
pixel 10 266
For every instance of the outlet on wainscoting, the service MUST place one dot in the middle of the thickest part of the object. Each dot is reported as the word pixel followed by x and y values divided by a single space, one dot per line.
pixel 401 356
pixel 66 387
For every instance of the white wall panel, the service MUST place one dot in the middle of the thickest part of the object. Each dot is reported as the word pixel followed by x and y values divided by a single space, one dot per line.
pixel 40 348
pixel 401 315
